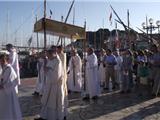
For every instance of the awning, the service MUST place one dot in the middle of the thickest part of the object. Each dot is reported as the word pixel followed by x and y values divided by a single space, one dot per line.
pixel 60 29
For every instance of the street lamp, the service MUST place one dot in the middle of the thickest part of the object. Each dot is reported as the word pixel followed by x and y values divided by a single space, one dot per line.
pixel 151 27
pixel 158 24
pixel 144 27
pixel 151 21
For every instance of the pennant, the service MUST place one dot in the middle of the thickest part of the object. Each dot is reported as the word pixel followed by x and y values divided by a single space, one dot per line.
pixel 30 41
pixel 110 18
pixel 50 13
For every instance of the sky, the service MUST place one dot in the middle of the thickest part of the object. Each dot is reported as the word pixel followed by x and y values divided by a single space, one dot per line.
pixel 17 17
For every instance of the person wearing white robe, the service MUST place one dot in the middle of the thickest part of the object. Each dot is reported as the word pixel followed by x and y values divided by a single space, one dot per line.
pixel 40 80
pixel 92 82
pixel 53 97
pixel 9 104
pixel 13 60
pixel 102 69
pixel 118 68
pixel 62 57
pixel 75 72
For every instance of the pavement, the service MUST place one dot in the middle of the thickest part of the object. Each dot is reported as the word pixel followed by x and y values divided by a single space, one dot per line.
pixel 138 105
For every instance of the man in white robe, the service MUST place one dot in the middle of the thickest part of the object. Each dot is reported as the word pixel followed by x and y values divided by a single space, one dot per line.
pixel 13 60
pixel 92 82
pixel 53 97
pixel 40 79
pixel 118 68
pixel 102 69
pixel 75 72
pixel 9 104
pixel 62 57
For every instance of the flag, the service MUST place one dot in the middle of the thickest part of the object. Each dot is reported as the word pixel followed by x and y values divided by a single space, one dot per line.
pixel 30 41
pixel 110 18
pixel 50 13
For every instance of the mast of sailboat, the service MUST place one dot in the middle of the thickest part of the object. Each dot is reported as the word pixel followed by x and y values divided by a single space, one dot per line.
pixel 69 11
pixel 7 28
pixel 22 33
pixel 73 15
pixel 128 29
pixel 84 55
pixel 44 25
pixel 147 24
pixel 102 40
pixel 95 36
pixel 62 37
pixel 37 37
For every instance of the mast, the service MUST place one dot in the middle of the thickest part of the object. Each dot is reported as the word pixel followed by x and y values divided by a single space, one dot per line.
pixel 37 37
pixel 62 37
pixel 147 24
pixel 7 28
pixel 102 44
pixel 44 24
pixel 73 15
pixel 69 11
pixel 21 39
pixel 100 37
pixel 84 56
pixel 128 29
pixel 95 45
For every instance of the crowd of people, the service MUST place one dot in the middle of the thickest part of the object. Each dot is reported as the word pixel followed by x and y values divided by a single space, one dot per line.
pixel 91 75
pixel 113 70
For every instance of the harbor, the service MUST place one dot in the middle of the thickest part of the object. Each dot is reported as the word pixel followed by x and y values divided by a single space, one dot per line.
pixel 80 60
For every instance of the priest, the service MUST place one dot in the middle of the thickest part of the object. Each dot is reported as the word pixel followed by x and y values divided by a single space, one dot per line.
pixel 75 72
pixel 92 82
pixel 53 97
pixel 9 104
pixel 14 62
pixel 62 56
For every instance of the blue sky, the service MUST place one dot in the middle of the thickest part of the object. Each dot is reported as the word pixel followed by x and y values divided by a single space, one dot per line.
pixel 21 15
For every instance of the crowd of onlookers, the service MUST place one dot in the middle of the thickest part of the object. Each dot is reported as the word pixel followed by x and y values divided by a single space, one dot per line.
pixel 126 68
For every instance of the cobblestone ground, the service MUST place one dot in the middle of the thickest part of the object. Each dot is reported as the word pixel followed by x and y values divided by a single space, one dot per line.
pixel 110 106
